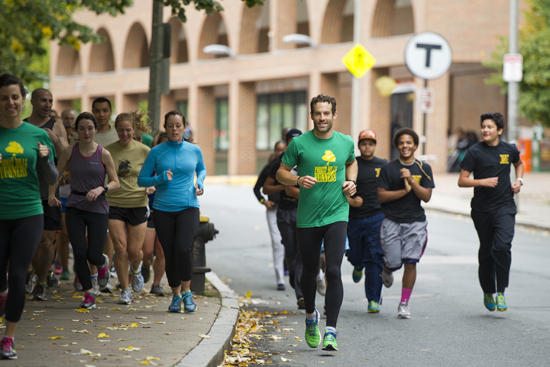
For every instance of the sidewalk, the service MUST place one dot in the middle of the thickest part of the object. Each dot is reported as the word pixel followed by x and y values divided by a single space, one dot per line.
pixel 533 205
pixel 56 333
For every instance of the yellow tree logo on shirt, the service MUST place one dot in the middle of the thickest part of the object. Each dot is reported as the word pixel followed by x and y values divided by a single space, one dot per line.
pixel 13 167
pixel 504 159
pixel 326 173
pixel 377 171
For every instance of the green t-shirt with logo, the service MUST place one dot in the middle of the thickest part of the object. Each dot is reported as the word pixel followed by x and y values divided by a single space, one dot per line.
pixel 19 187
pixel 324 159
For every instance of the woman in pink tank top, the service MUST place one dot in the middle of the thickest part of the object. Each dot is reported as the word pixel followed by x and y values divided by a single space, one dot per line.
pixel 87 206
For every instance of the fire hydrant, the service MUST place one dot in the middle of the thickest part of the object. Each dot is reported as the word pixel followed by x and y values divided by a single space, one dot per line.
pixel 206 232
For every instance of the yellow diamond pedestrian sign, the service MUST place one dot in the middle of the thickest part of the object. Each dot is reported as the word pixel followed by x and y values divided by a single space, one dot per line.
pixel 359 61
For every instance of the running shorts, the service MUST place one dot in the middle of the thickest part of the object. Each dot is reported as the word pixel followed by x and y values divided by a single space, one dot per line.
pixel 402 242
pixel 52 217
pixel 132 216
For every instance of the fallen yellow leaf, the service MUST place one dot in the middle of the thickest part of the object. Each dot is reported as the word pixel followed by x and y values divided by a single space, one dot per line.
pixel 152 359
pixel 144 362
pixel 161 322
pixel 83 310
pixel 58 328
pixel 204 336
pixel 129 349
pixel 248 294
pixel 116 309
pixel 56 337
pixel 102 335
pixel 134 324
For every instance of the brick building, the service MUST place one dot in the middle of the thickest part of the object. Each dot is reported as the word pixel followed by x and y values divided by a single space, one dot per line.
pixel 238 105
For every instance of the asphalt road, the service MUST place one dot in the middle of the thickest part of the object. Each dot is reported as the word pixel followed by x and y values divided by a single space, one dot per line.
pixel 449 324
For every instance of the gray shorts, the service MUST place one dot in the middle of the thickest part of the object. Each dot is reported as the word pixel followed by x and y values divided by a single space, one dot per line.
pixel 402 242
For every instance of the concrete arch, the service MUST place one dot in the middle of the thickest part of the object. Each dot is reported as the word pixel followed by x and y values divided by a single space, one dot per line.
pixel 338 22
pixel 213 31
pixel 302 18
pixel 251 26
pixel 180 51
pixel 136 50
pixel 68 61
pixel 101 57
pixel 393 18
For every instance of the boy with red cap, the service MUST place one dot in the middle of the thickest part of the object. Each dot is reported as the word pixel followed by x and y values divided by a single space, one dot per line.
pixel 365 219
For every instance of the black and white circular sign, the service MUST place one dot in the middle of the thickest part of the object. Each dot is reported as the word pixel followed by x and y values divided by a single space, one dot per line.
pixel 428 55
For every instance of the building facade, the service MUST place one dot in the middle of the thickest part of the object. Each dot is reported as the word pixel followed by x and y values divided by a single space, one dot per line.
pixel 238 105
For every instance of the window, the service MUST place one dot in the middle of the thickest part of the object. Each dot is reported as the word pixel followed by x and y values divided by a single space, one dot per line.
pixel 182 106
pixel 221 133
pixel 277 111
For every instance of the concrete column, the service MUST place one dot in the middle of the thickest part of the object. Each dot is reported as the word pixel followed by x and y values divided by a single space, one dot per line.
pixel 205 122
pixel 283 22
pixel 380 119
pixel 437 124
pixel 242 128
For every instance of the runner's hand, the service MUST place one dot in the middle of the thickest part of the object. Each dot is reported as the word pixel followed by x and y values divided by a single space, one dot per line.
pixel 53 201
pixel 169 174
pixel 0 157
pixel 307 182
pixel 490 182
pixel 516 187
pixel 349 188
pixel 198 191
pixel 408 186
pixel 269 204
pixel 92 195
pixel 43 150
pixel 150 190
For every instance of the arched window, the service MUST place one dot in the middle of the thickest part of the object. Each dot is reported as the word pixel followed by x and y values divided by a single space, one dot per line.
pixel 338 22
pixel 68 61
pixel 393 18
pixel 213 33
pixel 254 30
pixel 180 52
pixel 136 51
pixel 101 57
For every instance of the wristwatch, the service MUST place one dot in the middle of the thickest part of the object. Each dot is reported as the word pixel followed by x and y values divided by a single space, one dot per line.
pixel 520 180
pixel 106 188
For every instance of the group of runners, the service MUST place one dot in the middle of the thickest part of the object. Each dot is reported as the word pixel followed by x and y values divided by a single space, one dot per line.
pixel 111 184
pixel 375 205
pixel 326 196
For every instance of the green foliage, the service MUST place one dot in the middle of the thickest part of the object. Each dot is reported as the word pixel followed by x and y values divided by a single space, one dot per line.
pixel 209 6
pixel 534 46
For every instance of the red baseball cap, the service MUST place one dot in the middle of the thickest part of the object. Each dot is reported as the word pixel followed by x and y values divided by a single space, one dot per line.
pixel 367 134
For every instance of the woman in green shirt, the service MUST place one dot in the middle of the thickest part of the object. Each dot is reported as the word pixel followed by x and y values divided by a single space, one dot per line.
pixel 22 146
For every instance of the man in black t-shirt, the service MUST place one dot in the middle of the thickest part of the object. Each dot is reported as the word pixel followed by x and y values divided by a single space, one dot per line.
pixel 402 185
pixel 286 221
pixel 365 219
pixel 271 214
pixel 493 206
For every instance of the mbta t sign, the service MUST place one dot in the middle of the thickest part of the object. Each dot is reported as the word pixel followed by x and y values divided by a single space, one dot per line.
pixel 428 55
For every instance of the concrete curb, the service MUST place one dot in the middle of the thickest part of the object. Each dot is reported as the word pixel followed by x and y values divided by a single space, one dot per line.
pixel 209 352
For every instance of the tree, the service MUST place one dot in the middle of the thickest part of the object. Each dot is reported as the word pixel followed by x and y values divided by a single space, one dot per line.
pixel 26 26
pixel 534 46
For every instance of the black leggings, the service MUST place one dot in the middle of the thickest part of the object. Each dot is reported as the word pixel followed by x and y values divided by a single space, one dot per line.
pixel 309 243
pixel 18 242
pixel 78 221
pixel 176 232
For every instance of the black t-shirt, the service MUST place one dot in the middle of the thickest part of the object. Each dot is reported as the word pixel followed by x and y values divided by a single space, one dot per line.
pixel 367 187
pixel 406 209
pixel 485 161
pixel 285 202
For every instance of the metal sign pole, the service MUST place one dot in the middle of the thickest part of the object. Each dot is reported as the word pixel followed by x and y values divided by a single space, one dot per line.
pixel 424 138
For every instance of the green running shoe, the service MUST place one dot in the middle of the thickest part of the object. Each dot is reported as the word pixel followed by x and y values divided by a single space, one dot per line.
pixel 357 275
pixel 489 301
pixel 374 307
pixel 329 341
pixel 313 336
pixel 501 302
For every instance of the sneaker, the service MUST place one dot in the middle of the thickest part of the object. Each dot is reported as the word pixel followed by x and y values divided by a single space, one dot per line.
pixel 29 285
pixel 321 286
pixel 95 287
pixel 301 303
pixel 40 292
pixel 65 275
pixel 157 290
pixel 403 311
pixel 103 274
pixel 189 304
pixel 57 268
pixel 112 271
pixel 3 304
pixel 76 284
pixel 176 304
pixel 146 273
pixel 374 307
pixel 51 280
pixel 501 302
pixel 489 301
pixel 387 278
pixel 313 336
pixel 125 297
pixel 329 340
pixel 108 288
pixel 137 281
pixel 281 287
pixel 89 302
pixel 7 348
pixel 357 275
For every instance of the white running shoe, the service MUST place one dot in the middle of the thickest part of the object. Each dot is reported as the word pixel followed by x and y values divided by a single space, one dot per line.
pixel 95 287
pixel 125 297
pixel 321 286
pixel 387 278
pixel 403 311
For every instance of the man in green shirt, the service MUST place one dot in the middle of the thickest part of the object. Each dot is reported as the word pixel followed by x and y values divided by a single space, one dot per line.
pixel 327 170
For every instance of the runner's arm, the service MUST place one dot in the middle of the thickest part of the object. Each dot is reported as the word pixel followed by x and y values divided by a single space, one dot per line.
pixel 519 167
pixel 292 190
pixel 107 160
pixel 385 196
pixel 61 167
pixel 464 180
pixel 286 177
pixel 351 174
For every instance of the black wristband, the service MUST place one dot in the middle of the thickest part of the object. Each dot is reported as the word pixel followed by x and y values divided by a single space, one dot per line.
pixel 298 180
pixel 355 183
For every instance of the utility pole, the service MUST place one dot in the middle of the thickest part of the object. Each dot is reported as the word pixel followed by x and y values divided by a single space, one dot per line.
pixel 355 81
pixel 513 87
pixel 155 66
